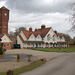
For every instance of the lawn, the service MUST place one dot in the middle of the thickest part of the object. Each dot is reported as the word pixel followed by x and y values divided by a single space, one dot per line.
pixel 69 49
pixel 33 65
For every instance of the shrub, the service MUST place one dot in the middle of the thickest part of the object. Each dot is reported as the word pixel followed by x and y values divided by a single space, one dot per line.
pixel 1 51
pixel 18 58
pixel 29 58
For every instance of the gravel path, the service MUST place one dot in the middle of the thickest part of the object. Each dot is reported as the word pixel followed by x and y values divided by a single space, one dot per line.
pixel 10 65
pixel 38 54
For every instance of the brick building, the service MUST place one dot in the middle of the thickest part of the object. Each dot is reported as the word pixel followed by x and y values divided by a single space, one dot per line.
pixel 4 19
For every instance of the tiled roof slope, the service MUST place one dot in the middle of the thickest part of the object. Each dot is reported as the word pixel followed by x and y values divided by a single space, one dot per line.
pixel 41 32
pixel 58 34
pixel 27 33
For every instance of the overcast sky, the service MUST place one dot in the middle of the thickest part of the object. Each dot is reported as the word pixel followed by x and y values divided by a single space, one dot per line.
pixel 34 13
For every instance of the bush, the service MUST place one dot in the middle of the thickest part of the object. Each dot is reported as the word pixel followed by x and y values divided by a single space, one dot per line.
pixel 18 58
pixel 1 51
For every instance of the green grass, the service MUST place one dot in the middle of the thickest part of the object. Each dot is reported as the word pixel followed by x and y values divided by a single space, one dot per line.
pixel 69 49
pixel 26 68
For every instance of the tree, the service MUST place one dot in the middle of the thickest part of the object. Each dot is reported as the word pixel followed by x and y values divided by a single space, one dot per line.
pixel 72 18
pixel 73 40
pixel 17 31
pixel 11 34
pixel 67 37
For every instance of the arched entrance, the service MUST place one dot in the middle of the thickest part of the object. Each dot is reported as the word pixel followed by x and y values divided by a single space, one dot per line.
pixel 36 45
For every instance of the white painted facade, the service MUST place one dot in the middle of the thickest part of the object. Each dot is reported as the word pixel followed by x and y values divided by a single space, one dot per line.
pixel 5 38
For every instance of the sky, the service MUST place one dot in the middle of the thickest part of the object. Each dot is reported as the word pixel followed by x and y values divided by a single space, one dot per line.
pixel 34 13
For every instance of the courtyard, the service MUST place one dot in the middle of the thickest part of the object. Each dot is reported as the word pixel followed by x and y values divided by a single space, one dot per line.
pixel 8 61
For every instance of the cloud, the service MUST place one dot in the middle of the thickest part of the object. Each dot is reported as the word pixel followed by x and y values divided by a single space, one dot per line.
pixel 2 2
pixel 36 20
pixel 39 6
pixel 33 13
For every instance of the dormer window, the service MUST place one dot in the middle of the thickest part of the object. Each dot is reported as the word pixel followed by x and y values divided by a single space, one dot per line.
pixel 38 36
pixel 48 38
pixel 31 36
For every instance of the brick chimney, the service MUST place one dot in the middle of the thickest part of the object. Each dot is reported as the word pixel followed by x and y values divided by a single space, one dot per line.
pixel 42 26
pixel 55 31
pixel 36 29
pixel 30 29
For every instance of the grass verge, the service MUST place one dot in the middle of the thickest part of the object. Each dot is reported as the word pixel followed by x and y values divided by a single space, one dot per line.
pixel 69 49
pixel 33 65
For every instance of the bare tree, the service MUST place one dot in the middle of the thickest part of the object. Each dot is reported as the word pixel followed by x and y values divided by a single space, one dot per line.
pixel 72 18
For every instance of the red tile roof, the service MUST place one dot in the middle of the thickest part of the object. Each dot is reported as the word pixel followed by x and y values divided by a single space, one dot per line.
pixel 41 32
pixel 69 42
pixel 58 34
pixel 27 33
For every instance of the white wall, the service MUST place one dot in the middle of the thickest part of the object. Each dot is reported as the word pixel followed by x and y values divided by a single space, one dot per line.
pixel 19 42
pixel 31 38
pixel 38 38
pixel 5 38
pixel 51 32
pixel 23 36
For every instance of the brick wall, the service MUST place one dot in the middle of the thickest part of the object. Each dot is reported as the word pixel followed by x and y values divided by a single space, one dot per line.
pixel 6 45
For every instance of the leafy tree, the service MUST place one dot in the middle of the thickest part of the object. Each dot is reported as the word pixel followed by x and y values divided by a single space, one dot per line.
pixel 11 34
pixel 17 31
pixel 73 40
pixel 67 37
pixel 1 51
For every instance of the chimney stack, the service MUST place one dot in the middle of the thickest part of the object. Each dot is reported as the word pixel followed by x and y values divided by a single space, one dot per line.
pixel 55 31
pixel 30 29
pixel 36 29
pixel 42 26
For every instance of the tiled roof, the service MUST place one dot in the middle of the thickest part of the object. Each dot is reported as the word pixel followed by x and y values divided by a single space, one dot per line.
pixel 69 42
pixel 4 8
pixel 58 34
pixel 27 33
pixel 41 32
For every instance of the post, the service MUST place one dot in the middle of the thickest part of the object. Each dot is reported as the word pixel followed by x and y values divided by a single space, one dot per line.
pixel 10 72
pixel 0 41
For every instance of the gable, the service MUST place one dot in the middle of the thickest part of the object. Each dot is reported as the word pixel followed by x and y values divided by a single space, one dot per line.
pixel 23 36
pixel 5 38
pixel 32 37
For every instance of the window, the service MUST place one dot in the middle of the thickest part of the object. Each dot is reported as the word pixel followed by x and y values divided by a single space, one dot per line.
pixel 7 44
pixel 0 32
pixel 38 37
pixel 0 26
pixel 53 38
pixel 2 44
pixel 48 37
pixel 4 26
pixel 4 38
pixel 32 36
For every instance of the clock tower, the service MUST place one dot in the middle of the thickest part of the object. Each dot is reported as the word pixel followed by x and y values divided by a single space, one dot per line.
pixel 4 18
